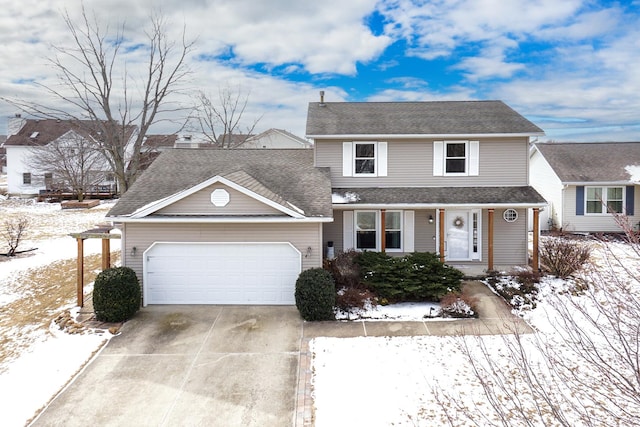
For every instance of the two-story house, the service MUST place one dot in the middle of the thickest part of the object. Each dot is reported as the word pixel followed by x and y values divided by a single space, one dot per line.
pixel 444 177
pixel 50 154
pixel 238 226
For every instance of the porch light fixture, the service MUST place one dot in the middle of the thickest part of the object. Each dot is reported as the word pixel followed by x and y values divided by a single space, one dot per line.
pixel 134 250
pixel 430 219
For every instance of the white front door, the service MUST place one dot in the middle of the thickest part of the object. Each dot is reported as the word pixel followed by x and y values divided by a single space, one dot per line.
pixel 457 235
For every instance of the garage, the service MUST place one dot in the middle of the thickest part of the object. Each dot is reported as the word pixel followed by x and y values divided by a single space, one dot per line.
pixel 221 273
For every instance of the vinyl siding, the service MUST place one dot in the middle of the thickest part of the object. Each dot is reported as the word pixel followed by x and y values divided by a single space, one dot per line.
pixel 546 182
pixel 510 239
pixel 199 203
pixel 302 236
pixel 410 164
pixel 593 223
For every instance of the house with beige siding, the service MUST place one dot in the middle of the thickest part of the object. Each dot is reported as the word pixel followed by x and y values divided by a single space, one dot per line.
pixel 587 184
pixel 238 226
pixel 444 177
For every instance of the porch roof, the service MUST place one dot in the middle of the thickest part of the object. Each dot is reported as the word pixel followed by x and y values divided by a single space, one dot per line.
pixel 524 196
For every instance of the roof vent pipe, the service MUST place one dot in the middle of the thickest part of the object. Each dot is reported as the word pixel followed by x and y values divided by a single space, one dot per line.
pixel 322 98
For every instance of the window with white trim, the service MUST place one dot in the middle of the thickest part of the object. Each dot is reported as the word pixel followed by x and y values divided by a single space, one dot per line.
pixel 393 230
pixel 455 158
pixel 364 157
pixel 602 200
pixel 367 230
pixel 366 224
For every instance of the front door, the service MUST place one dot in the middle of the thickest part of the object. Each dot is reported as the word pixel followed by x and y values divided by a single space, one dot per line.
pixel 457 236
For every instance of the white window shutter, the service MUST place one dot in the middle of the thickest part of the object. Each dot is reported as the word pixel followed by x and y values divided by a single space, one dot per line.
pixel 438 157
pixel 408 232
pixel 347 230
pixel 347 159
pixel 382 158
pixel 474 158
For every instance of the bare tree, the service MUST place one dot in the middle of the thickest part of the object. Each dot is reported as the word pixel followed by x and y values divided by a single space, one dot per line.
pixel 585 370
pixel 220 120
pixel 96 86
pixel 73 162
pixel 13 233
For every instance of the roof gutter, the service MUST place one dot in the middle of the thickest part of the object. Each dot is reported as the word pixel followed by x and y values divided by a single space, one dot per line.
pixel 216 220
pixel 352 206
pixel 425 135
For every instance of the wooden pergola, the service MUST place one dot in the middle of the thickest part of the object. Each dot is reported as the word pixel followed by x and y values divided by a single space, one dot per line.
pixel 100 232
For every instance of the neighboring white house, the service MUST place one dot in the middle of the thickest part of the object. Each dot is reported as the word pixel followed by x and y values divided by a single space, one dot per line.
pixel 25 137
pixel 276 138
pixel 585 182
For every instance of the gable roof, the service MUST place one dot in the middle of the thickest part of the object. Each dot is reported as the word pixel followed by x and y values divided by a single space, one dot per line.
pixel 284 177
pixel 576 162
pixel 266 133
pixel 439 118
pixel 40 132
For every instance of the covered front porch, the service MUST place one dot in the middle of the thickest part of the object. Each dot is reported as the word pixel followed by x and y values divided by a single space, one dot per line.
pixel 477 230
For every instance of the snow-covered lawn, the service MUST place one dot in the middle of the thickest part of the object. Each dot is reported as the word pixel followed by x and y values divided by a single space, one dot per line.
pixel 429 381
pixel 37 359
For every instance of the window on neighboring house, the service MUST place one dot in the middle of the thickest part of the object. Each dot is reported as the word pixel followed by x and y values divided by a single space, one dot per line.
pixel 366 226
pixel 110 177
pixel 365 158
pixel 48 179
pixel 393 230
pixel 602 200
pixel 455 157
pixel 26 178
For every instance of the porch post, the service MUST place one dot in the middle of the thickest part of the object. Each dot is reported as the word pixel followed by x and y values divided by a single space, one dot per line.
pixel 80 273
pixel 106 254
pixel 490 240
pixel 383 233
pixel 441 219
pixel 536 233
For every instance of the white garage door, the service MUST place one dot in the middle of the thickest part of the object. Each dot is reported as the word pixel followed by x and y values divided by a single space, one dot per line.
pixel 221 273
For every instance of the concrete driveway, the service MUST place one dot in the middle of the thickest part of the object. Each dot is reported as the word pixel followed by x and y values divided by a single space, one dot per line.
pixel 190 365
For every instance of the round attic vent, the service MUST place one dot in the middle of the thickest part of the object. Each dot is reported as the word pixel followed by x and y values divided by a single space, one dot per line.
pixel 220 197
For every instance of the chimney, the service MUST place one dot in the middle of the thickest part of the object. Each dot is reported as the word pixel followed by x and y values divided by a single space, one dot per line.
pixel 322 98
pixel 14 124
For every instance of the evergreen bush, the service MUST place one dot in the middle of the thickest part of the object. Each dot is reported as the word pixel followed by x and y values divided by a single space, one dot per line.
pixel 116 294
pixel 315 294
pixel 419 276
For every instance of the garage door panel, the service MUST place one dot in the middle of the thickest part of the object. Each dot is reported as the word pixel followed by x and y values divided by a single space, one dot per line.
pixel 221 273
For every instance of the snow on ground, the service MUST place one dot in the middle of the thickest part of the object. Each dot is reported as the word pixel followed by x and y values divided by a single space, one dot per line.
pixel 30 381
pixel 406 381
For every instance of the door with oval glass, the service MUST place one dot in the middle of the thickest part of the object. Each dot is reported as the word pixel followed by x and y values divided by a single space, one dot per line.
pixel 458 238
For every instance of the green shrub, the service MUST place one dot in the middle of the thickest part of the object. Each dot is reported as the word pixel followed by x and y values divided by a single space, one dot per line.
pixel 116 294
pixel 315 294
pixel 419 276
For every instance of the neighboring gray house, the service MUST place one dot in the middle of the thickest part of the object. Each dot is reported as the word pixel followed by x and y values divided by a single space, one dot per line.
pixel 238 226
pixel 585 182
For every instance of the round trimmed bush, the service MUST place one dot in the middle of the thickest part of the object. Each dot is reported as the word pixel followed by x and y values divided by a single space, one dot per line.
pixel 315 294
pixel 116 294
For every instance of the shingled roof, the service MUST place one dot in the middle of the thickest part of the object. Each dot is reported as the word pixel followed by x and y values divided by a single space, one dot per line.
pixel 279 175
pixel 40 132
pixel 576 162
pixel 416 118
pixel 439 196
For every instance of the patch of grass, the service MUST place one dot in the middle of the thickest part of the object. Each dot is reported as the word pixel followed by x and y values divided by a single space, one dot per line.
pixel 45 291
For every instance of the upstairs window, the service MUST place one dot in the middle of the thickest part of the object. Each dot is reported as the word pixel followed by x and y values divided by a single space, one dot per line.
pixel 26 178
pixel 365 158
pixel 455 157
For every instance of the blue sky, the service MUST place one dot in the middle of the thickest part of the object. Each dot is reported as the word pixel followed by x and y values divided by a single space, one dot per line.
pixel 570 66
